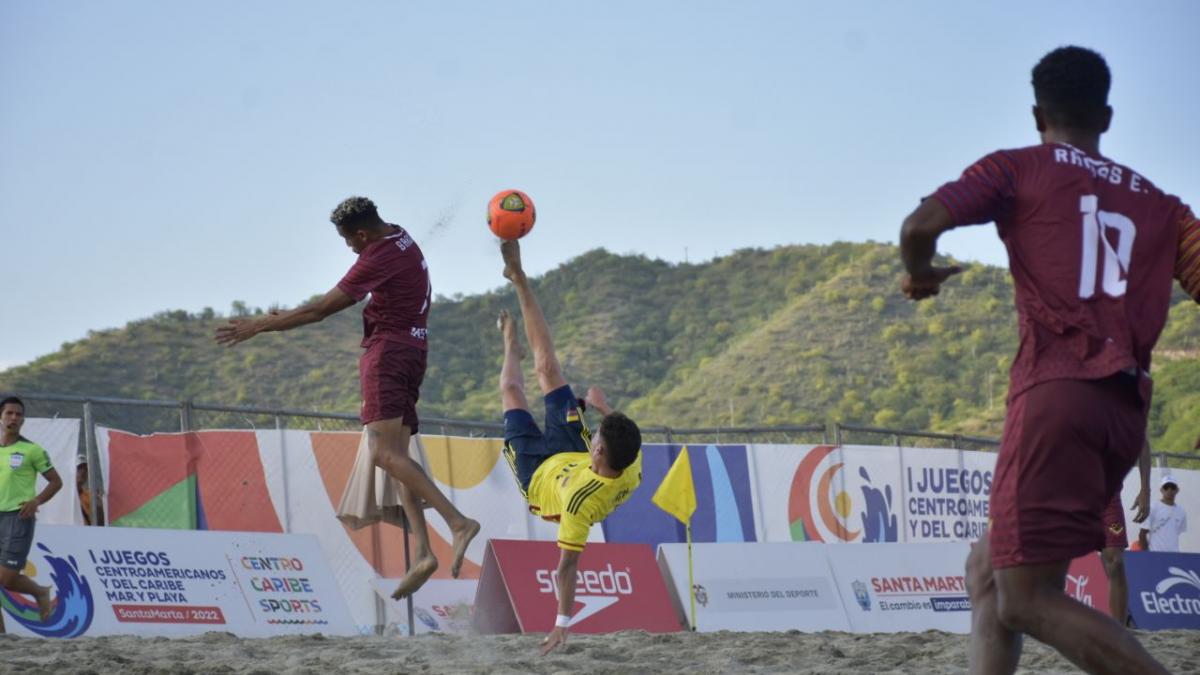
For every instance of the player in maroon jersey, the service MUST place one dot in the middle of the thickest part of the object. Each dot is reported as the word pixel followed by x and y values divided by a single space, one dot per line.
pixel 392 269
pixel 1092 246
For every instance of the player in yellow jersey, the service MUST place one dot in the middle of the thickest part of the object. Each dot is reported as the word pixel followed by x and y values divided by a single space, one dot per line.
pixel 565 473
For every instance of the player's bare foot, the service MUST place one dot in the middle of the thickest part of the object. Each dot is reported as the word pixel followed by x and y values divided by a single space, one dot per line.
pixel 417 575
pixel 511 252
pixel 462 538
pixel 45 607
pixel 508 327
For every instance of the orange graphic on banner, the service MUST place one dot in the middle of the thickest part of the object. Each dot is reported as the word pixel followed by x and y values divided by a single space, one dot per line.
pixel 230 490
pixel 379 544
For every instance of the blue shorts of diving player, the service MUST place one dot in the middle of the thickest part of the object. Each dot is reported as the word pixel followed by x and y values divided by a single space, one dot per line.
pixel 526 446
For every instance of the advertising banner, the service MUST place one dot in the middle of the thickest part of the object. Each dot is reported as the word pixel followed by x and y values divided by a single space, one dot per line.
pixel 724 506
pixel 618 587
pixel 114 581
pixel 755 587
pixel 828 493
pixel 1164 589
pixel 903 587
pixel 440 606
pixel 946 494
pixel 1087 582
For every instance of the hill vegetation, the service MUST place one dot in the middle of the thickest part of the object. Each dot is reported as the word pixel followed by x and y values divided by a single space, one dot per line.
pixel 791 335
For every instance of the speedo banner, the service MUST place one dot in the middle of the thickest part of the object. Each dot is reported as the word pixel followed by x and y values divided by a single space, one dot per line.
pixel 617 587
pixel 115 581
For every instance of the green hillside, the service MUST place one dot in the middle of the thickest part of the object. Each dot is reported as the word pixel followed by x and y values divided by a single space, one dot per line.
pixel 792 335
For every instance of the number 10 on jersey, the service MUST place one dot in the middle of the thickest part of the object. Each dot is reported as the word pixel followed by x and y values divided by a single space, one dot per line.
pixel 1096 225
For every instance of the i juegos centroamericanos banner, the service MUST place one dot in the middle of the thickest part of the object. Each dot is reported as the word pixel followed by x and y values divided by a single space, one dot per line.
pixel 112 581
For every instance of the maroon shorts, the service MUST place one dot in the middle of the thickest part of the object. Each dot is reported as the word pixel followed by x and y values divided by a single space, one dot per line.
pixel 1066 449
pixel 1114 524
pixel 391 374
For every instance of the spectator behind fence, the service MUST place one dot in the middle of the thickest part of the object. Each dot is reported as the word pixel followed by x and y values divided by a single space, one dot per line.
pixel 21 460
pixel 1167 521
pixel 85 493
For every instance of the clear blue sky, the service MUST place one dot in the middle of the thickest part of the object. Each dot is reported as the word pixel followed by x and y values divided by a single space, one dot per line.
pixel 178 155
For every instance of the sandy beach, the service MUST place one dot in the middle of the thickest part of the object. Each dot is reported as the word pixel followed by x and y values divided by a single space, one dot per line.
pixel 627 652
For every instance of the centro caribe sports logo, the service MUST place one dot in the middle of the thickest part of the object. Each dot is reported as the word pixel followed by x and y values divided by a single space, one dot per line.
pixel 819 511
pixel 73 607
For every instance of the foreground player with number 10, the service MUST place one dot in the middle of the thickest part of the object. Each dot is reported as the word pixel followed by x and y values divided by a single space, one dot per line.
pixel 1092 246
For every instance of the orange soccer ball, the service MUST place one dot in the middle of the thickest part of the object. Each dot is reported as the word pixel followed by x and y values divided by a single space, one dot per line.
pixel 511 214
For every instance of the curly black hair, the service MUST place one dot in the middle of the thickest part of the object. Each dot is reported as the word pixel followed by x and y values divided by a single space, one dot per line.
pixel 354 213
pixel 1071 87
pixel 622 439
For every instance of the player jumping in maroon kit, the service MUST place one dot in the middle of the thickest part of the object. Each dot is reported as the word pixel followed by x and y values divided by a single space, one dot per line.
pixel 1092 246
pixel 392 269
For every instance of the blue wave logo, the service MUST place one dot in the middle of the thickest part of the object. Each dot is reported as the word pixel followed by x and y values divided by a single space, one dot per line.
pixel 73 604
pixel 879 523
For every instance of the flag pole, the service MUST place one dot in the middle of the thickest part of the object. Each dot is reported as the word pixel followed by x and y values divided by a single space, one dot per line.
pixel 691 580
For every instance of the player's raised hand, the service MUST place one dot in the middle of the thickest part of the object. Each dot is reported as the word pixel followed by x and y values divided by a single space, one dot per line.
pixel 596 399
pixel 237 330
pixel 557 637
pixel 919 287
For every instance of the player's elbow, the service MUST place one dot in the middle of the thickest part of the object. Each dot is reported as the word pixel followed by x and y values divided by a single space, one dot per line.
pixel 916 228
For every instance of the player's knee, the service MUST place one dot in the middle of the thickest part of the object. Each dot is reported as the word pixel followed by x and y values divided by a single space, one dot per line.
pixel 1014 611
pixel 978 572
pixel 512 389
pixel 547 368
pixel 8 576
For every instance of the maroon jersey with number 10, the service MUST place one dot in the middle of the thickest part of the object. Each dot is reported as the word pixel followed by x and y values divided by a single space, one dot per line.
pixel 1092 249
pixel 393 270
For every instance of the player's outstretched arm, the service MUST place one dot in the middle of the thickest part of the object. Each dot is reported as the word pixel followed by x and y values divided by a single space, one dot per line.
pixel 240 330
pixel 918 244
pixel 568 566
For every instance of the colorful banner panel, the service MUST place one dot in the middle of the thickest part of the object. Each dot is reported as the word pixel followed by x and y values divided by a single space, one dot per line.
pixel 272 480
pixel 828 493
pixel 110 581
pixel 724 507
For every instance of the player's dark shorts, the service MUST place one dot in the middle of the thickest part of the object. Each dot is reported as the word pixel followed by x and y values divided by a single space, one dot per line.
pixel 16 538
pixel 390 374
pixel 526 446
pixel 1067 447
pixel 1114 524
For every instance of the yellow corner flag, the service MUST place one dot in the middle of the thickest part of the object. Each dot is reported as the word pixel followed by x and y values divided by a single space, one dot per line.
pixel 676 494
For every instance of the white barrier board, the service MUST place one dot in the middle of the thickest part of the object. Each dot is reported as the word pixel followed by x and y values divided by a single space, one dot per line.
pixel 116 581
pixel 440 606
pixel 888 588
pixel 755 586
